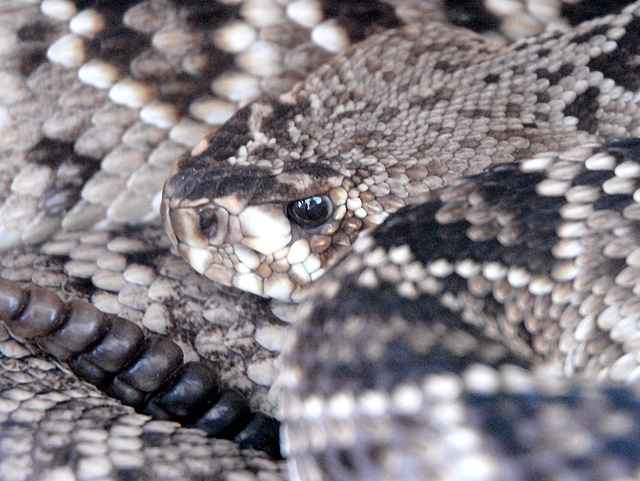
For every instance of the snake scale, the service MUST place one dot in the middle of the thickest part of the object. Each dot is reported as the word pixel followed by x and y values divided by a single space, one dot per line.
pixel 485 331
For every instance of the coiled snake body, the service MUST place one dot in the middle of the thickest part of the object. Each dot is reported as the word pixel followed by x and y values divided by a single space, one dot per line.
pixel 438 345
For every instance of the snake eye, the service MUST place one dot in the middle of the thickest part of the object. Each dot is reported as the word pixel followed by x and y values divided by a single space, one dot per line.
pixel 310 212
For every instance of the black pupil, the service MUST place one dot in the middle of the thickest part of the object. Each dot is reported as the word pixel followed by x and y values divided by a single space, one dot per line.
pixel 310 212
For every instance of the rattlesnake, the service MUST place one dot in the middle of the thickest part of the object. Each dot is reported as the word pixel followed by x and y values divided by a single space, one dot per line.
pixel 345 419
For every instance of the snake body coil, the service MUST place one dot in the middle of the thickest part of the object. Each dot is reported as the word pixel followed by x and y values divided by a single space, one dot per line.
pixel 146 373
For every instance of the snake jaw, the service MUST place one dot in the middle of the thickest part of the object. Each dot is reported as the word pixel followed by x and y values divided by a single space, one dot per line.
pixel 252 248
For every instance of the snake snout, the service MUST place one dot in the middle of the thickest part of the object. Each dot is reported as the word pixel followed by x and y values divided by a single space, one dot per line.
pixel 199 225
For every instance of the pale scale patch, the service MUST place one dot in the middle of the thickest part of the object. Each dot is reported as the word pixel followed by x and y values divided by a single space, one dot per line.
pixel 330 36
pixel 585 328
pixel 317 274
pixel 467 268
pixel 98 73
pixel 157 318
pixel 313 264
pixel 298 251
pixel 188 132
pixel 373 403
pixel 631 212
pixel 199 257
pixel 582 194
pixel 462 439
pixel 537 163
pixel 131 93
pixel 262 59
pixel 236 86
pixel 569 230
pixel 174 40
pixel 298 294
pixel 609 317
pixel 33 180
pixel 160 114
pixel 368 279
pixel 541 286
pixel 339 212
pixel 248 282
pixel 108 280
pixel 400 254
pixel 241 268
pixel 280 255
pixel 299 274
pixel 505 8
pixel 477 467
pixel 625 330
pixel 88 23
pixel 338 196
pixel 617 185
pixel 213 111
pixel 578 154
pixel 278 286
pixel 262 372
pixel 565 271
pixel 354 203
pixel 605 85
pixel 59 474
pixel 447 412
pixel 600 161
pixel 622 369
pixel 442 387
pixel 305 12
pixel 360 213
pixel 440 268
pixel 68 51
pixel 482 379
pixel 313 407
pixel 633 258
pixel 272 337
pixel 414 271
pixel 234 37
pixel 407 290
pixel 12 349
pixel 127 459
pixel 90 467
pixel 406 399
pixel 59 9
pixel 341 405
pixel 247 256
pixel 262 13
pixel 516 379
pixel 518 277
pixel 567 249
pixel 628 170
pixel 552 187
pixel 265 230
pixel 494 271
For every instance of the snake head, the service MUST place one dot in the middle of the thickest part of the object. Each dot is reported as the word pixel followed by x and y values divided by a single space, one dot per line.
pixel 247 213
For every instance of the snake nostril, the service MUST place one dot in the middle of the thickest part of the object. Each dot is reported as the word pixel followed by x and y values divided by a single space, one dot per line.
pixel 207 221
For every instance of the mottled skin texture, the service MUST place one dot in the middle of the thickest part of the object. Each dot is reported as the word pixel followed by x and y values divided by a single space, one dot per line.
pixel 82 147
pixel 401 114
pixel 450 328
